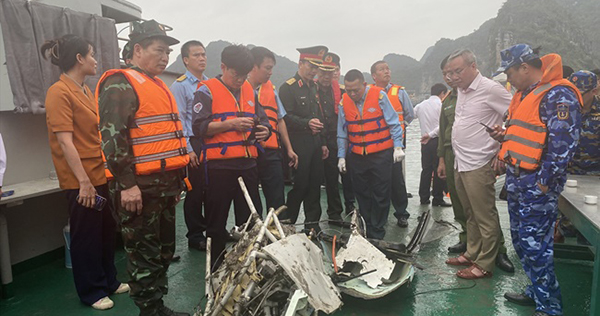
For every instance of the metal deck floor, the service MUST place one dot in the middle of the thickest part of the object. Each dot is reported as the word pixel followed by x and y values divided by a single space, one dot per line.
pixel 48 290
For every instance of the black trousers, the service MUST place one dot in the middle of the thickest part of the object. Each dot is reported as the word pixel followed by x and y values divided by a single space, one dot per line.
pixel 222 189
pixel 270 172
pixel 307 180
pixel 429 165
pixel 371 180
pixel 332 174
pixel 192 205
pixel 349 198
pixel 399 195
pixel 93 236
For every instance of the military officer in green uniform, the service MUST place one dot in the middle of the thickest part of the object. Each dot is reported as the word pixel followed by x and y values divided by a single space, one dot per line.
pixel 304 121
pixel 145 203
pixel 446 155
pixel 328 106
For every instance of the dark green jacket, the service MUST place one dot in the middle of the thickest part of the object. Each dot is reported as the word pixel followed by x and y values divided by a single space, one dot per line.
pixel 446 122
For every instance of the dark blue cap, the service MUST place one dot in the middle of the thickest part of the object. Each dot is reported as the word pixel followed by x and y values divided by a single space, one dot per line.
pixel 515 55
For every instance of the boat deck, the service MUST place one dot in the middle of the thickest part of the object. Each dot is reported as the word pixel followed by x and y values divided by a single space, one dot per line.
pixel 48 289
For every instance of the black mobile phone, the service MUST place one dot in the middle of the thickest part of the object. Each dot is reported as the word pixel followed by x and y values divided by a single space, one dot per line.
pixel 100 202
pixel 489 129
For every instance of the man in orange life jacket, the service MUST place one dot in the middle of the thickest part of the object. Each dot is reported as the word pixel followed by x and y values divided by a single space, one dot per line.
pixel 382 75
pixel 305 127
pixel 229 118
pixel 368 126
pixel 270 161
pixel 543 125
pixel 145 150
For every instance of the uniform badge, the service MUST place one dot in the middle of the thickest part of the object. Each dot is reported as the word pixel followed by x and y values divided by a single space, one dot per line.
pixel 250 103
pixel 198 107
pixel 300 83
pixel 563 111
pixel 371 110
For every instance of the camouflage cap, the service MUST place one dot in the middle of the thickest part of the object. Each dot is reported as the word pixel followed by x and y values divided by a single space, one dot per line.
pixel 127 52
pixel 150 29
pixel 584 80
pixel 515 55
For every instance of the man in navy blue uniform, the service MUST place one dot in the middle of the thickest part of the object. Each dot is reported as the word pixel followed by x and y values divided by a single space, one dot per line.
pixel 541 135
pixel 587 155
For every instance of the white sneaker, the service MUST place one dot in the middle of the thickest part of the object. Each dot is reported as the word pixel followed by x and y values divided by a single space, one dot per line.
pixel 123 288
pixel 103 303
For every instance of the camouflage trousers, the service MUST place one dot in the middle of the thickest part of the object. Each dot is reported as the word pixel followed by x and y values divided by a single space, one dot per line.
pixel 532 218
pixel 149 240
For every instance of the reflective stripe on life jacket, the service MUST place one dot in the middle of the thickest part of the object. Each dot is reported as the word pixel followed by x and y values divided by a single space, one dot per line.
pixel 156 137
pixel 526 134
pixel 367 131
pixel 230 144
pixel 266 97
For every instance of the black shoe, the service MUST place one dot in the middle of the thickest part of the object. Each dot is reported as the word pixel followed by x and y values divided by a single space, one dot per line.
pixel 197 245
pixel 409 195
pixel 519 299
pixel 539 313
pixel 504 263
pixel 165 311
pixel 176 258
pixel 403 222
pixel 440 203
pixel 460 247
pixel 425 202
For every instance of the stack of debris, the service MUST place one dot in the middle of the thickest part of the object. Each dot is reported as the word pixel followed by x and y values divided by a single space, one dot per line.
pixel 272 270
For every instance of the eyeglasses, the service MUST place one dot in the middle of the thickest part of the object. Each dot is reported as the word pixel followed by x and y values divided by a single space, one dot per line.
pixel 456 72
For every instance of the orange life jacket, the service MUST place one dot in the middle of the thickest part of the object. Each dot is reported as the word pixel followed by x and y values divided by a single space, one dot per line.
pixel 526 134
pixel 367 131
pixel 393 96
pixel 229 144
pixel 266 97
pixel 156 137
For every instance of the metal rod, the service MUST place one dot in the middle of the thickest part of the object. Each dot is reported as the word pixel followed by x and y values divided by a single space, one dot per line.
pixel 278 225
pixel 207 277
pixel 251 257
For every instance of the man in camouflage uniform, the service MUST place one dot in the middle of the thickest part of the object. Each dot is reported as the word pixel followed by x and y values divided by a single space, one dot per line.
pixel 145 203
pixel 533 194
pixel 587 155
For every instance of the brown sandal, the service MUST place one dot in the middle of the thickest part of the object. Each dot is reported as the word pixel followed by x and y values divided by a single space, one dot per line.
pixel 457 262
pixel 468 273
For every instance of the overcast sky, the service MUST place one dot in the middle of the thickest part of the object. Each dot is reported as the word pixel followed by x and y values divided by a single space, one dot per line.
pixel 360 31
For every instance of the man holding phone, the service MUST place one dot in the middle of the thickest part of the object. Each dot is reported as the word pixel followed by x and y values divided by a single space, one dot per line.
pixel 479 100
pixel 230 120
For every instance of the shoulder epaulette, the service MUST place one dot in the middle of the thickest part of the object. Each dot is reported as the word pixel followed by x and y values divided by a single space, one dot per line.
pixel 180 79
pixel 291 81
pixel 381 94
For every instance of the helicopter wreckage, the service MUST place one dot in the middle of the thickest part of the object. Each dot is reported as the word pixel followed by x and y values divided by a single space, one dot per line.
pixel 272 270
